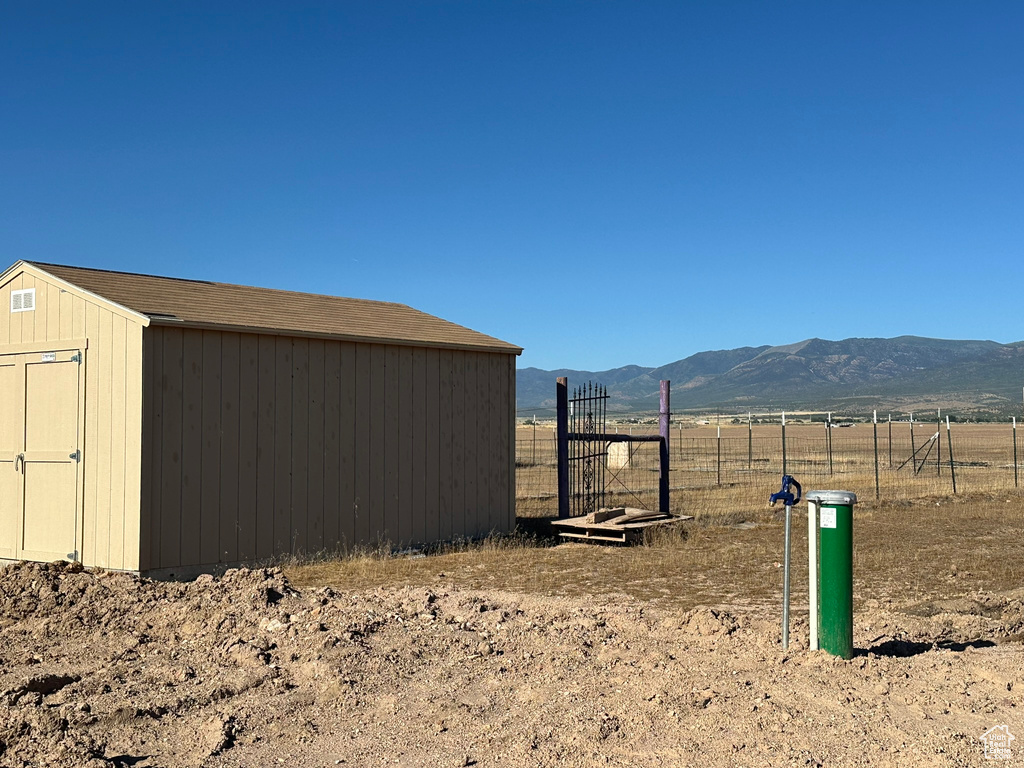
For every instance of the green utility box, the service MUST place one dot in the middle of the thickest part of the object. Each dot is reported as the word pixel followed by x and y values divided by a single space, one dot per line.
pixel 832 518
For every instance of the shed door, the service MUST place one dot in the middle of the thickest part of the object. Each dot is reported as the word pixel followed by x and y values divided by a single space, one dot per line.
pixel 40 482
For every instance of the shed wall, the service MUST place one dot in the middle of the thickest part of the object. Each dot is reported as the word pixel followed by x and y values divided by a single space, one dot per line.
pixel 111 465
pixel 261 445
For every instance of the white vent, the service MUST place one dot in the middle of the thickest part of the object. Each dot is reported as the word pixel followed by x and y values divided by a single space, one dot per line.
pixel 23 301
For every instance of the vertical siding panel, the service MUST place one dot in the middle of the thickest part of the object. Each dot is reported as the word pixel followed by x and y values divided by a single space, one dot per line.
pixel 68 306
pixel 431 444
pixel 192 447
pixel 15 319
pixel 375 455
pixel 445 447
pixel 484 451
pixel 249 384
pixel 266 448
pixel 421 507
pixel 52 312
pixel 349 427
pixel 170 470
pixel 150 479
pixel 475 520
pixel 92 453
pixel 332 510
pixel 405 470
pixel 282 447
pixel 509 374
pixel 364 442
pixel 102 418
pixel 499 467
pixel 133 504
pixel 300 446
pixel 315 456
pixel 391 457
pixel 210 548
pixel 461 523
pixel 118 439
pixel 77 311
pixel 36 320
pixel 5 311
pixel 156 383
pixel 227 490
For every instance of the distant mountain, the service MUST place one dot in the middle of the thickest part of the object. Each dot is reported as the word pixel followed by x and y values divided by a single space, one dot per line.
pixel 897 374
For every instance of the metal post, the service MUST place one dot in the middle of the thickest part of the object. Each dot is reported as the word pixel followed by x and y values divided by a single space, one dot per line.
pixel 533 456
pixel 785 579
pixel 913 448
pixel 949 442
pixel 828 443
pixel 664 428
pixel 562 436
pixel 938 442
pixel 718 463
pixel 1016 484
pixel 784 470
pixel 750 443
pixel 890 441
pixel 874 423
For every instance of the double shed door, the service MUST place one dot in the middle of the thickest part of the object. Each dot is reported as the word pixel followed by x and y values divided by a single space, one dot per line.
pixel 41 415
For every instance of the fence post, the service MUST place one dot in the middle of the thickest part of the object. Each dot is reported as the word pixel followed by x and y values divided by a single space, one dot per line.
pixel 949 442
pixel 562 436
pixel 938 442
pixel 664 427
pixel 828 443
pixel 1015 480
pixel 750 443
pixel 890 441
pixel 874 424
pixel 718 461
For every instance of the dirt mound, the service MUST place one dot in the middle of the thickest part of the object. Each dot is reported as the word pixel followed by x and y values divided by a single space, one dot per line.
pixel 104 669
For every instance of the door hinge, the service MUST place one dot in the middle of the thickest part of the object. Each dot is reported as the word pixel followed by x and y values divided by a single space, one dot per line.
pixel 77 456
pixel 77 358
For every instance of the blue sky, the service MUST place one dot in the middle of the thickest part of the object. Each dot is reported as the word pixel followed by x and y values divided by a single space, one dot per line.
pixel 602 183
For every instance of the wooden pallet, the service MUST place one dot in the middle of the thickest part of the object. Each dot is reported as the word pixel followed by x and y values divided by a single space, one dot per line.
pixel 618 525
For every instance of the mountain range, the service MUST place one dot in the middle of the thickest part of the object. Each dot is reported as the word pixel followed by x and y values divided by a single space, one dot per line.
pixel 852 375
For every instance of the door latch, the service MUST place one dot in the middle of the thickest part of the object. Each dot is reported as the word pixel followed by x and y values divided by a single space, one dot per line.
pixel 20 457
pixel 77 456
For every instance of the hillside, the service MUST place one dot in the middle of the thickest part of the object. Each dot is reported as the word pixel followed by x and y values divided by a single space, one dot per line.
pixel 852 374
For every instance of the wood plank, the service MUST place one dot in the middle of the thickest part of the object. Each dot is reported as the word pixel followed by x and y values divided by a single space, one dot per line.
pixel 347 435
pixel 391 457
pixel 406 454
pixel 15 320
pixel 445 447
pixel 93 455
pixel 52 312
pixel 363 443
pixel 170 471
pixel 192 447
pixel 210 548
pixel 149 479
pixel 375 455
pixel 248 444
pixel 37 318
pixel 462 521
pixel 228 455
pixel 431 445
pixel 315 455
pixel 510 440
pixel 68 315
pixel 490 424
pixel 332 511
pixel 300 446
pixel 118 440
pixel 283 448
pixel 476 513
pixel 267 424
pixel 101 365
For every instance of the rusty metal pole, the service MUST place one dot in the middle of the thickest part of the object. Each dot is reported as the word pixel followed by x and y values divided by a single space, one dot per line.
pixel 664 429
pixel 562 431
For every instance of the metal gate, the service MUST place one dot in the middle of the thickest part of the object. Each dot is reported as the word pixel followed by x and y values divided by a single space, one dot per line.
pixel 587 448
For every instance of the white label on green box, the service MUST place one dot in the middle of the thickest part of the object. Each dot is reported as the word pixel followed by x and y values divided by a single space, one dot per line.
pixel 828 517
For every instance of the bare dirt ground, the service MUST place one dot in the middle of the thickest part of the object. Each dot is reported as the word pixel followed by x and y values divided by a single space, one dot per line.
pixel 104 669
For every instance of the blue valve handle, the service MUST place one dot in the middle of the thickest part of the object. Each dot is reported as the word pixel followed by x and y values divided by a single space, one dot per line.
pixel 785 495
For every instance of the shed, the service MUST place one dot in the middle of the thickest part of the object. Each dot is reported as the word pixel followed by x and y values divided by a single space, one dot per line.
pixel 172 426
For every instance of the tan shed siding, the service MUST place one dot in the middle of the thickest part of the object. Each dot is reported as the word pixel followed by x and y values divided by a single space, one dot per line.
pixel 111 469
pixel 312 445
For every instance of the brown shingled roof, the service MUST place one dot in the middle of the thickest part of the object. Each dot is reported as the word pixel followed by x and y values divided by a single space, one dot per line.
pixel 240 307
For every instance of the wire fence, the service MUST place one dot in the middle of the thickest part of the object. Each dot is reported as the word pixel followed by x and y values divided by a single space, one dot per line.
pixel 894 461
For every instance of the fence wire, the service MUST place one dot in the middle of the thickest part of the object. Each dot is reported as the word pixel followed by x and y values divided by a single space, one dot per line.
pixel 983 461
